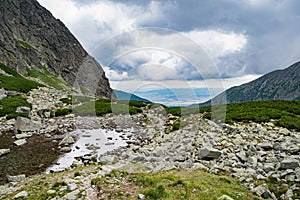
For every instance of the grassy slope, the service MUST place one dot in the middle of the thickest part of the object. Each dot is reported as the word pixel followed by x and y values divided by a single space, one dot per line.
pixel 86 106
pixel 16 82
pixel 283 113
pixel 174 184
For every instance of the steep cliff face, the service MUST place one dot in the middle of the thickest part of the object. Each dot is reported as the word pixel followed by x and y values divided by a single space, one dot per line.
pixel 277 85
pixel 31 38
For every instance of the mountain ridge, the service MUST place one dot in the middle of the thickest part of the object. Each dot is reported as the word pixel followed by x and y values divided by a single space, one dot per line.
pixel 32 39
pixel 121 95
pixel 283 84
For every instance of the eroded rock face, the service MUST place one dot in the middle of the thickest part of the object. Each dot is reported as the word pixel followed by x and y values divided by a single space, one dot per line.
pixel 32 38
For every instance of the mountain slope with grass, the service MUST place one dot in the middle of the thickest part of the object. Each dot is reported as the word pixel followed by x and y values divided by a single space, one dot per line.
pixel 35 44
pixel 277 85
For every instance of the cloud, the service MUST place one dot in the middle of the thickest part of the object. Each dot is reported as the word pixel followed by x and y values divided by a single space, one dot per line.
pixel 241 36
pixel 182 52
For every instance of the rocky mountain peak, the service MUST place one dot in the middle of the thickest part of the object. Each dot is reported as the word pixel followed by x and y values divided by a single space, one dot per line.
pixel 31 38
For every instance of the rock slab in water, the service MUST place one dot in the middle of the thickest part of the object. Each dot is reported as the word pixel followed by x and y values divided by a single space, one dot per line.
pixel 4 151
pixel 67 140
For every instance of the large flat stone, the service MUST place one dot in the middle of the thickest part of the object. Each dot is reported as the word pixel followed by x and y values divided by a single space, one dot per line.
pixel 16 178
pixel 20 142
pixel 289 164
pixel 4 151
pixel 23 135
pixel 209 154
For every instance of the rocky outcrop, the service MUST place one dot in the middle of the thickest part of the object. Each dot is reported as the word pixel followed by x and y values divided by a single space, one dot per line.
pixel 31 38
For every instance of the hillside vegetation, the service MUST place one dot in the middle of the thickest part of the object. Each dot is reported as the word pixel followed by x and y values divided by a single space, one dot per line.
pixel 282 113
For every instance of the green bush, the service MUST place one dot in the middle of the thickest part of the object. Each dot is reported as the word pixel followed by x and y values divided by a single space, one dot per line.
pixel 9 70
pixel 63 112
pixel 10 104
pixel 285 113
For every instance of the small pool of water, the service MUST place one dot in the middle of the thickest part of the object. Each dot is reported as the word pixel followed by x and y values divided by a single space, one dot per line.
pixel 97 141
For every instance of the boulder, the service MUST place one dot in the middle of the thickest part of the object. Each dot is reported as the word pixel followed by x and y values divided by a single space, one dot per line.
pixel 289 164
pixel 242 156
pixel 20 142
pixel 225 197
pixel 26 125
pixel 67 140
pixel 2 93
pixel 16 178
pixel 263 191
pixel 23 135
pixel 209 154
pixel 4 151
pixel 3 190
pixel 23 109
pixel 21 195
pixel 71 187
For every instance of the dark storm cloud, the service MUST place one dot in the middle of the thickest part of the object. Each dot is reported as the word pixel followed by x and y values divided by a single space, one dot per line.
pixel 271 27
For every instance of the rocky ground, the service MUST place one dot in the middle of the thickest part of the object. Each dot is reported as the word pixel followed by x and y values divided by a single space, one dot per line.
pixel 265 158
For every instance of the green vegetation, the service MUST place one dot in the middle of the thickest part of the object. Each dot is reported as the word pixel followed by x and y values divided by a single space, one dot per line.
pixel 25 44
pixel 101 107
pixel 88 106
pixel 16 82
pixel 279 187
pixel 10 104
pixel 284 113
pixel 173 184
pixel 46 77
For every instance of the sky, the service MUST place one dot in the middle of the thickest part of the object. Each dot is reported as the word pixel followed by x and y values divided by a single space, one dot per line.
pixel 184 43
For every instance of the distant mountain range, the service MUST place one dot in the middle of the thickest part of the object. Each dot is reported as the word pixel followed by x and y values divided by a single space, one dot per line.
pixel 277 85
pixel 121 95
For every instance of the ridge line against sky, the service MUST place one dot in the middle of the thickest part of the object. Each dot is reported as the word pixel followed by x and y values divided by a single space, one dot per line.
pixel 244 38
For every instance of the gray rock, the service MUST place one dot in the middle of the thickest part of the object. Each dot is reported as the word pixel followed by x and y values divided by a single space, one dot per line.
pixel 67 140
pixel 265 146
pixel 72 195
pixel 242 156
pixel 2 93
pixel 16 178
pixel 289 164
pixel 26 125
pixel 23 109
pixel 3 190
pixel 66 149
pixel 263 191
pixel 23 135
pixel 290 178
pixel 209 154
pixel 22 194
pixel 4 151
pixel 51 191
pixel 72 186
pixel 20 142
pixel 289 194
pixel 225 197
